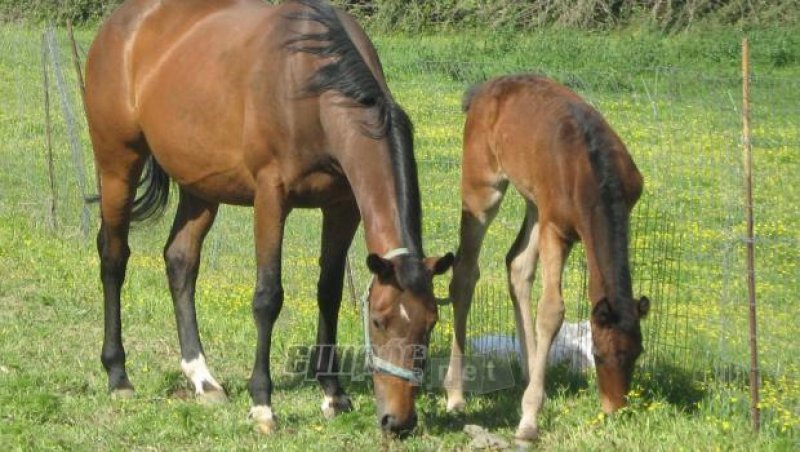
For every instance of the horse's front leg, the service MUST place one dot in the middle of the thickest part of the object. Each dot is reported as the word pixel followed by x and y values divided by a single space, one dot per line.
pixel 338 227
pixel 270 217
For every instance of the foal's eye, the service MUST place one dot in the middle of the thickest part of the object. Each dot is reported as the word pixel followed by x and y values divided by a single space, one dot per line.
pixel 379 325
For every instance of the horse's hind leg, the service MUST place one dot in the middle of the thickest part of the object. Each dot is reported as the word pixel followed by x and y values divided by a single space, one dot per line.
pixel 119 168
pixel 553 251
pixel 270 218
pixel 481 202
pixel 182 256
pixel 339 226
pixel 521 263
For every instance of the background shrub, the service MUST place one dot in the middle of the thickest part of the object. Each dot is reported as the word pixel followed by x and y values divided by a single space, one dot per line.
pixel 418 15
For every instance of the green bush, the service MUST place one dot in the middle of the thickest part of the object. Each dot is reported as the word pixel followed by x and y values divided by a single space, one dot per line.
pixel 673 15
pixel 57 11
pixel 417 15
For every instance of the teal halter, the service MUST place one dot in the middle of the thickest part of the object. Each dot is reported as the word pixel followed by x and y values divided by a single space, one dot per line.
pixel 376 363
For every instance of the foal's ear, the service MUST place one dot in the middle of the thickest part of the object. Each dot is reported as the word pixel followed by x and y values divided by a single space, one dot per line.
pixel 380 267
pixel 643 307
pixel 602 313
pixel 439 265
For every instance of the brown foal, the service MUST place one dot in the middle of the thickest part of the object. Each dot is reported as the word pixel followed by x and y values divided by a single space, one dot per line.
pixel 579 183
pixel 275 107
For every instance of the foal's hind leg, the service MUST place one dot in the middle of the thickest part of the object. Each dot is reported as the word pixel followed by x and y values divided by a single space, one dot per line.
pixel 521 263
pixel 119 169
pixel 480 205
pixel 339 226
pixel 182 256
pixel 553 251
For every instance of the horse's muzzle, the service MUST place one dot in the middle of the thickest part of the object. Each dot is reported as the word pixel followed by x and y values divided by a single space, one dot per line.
pixel 392 425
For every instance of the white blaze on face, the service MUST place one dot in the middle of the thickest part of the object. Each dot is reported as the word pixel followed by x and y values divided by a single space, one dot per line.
pixel 404 313
pixel 197 372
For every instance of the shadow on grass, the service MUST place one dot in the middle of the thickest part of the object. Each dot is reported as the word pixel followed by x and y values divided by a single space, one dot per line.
pixel 501 408
pixel 676 386
pixel 491 409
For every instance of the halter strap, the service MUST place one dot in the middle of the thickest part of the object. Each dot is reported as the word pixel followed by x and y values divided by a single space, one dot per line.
pixel 396 252
pixel 377 363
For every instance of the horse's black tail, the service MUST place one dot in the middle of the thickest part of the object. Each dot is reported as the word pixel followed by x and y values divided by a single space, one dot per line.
pixel 152 201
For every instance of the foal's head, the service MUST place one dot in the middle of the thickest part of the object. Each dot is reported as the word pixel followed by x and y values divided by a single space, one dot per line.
pixel 402 313
pixel 617 339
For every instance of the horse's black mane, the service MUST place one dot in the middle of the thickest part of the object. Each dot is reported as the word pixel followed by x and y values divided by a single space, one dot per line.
pixel 598 144
pixel 349 75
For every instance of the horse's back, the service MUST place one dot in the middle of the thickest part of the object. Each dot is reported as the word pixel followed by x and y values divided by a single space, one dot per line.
pixel 212 91
pixel 178 76
pixel 135 35
pixel 529 127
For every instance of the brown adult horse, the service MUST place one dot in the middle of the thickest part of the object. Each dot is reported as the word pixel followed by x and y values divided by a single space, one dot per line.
pixel 579 183
pixel 274 107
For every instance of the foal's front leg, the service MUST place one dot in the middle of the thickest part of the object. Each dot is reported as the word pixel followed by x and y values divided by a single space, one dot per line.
pixel 481 198
pixel 553 252
pixel 270 217
pixel 338 227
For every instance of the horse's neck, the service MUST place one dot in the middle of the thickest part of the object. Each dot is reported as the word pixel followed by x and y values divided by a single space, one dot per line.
pixel 606 278
pixel 368 170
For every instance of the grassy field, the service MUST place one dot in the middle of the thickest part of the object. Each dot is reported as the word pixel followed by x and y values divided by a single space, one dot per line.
pixel 674 100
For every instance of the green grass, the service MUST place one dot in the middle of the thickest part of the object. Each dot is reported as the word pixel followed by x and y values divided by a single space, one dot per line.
pixel 674 100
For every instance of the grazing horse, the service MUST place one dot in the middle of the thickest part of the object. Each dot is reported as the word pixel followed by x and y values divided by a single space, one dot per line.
pixel 274 107
pixel 579 183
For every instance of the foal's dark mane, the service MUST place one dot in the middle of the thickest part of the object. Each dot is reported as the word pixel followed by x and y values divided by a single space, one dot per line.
pixel 598 144
pixel 350 76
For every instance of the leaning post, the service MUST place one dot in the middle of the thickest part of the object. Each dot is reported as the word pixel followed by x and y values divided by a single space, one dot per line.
pixel 76 61
pixel 48 134
pixel 747 150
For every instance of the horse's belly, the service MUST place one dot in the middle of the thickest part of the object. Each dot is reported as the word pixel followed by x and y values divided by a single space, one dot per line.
pixel 213 179
pixel 225 188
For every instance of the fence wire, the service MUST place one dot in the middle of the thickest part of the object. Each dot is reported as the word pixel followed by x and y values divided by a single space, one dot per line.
pixel 682 128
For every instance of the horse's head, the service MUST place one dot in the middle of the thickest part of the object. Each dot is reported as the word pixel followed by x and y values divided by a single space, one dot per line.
pixel 617 339
pixel 402 313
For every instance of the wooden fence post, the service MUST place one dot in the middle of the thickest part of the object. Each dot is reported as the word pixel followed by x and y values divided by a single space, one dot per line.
pixel 747 150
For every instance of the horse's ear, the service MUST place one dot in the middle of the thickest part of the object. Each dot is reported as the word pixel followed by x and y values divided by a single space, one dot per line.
pixel 380 267
pixel 643 307
pixel 439 265
pixel 602 313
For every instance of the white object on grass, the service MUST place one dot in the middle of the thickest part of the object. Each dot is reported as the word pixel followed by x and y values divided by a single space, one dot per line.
pixel 572 345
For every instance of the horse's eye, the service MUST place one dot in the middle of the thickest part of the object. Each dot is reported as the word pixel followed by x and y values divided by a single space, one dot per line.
pixel 378 324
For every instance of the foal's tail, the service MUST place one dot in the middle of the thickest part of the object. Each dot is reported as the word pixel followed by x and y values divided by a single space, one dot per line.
pixel 151 203
pixel 469 95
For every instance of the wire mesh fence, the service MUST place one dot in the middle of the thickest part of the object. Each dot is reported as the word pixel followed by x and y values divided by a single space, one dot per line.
pixel 682 128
